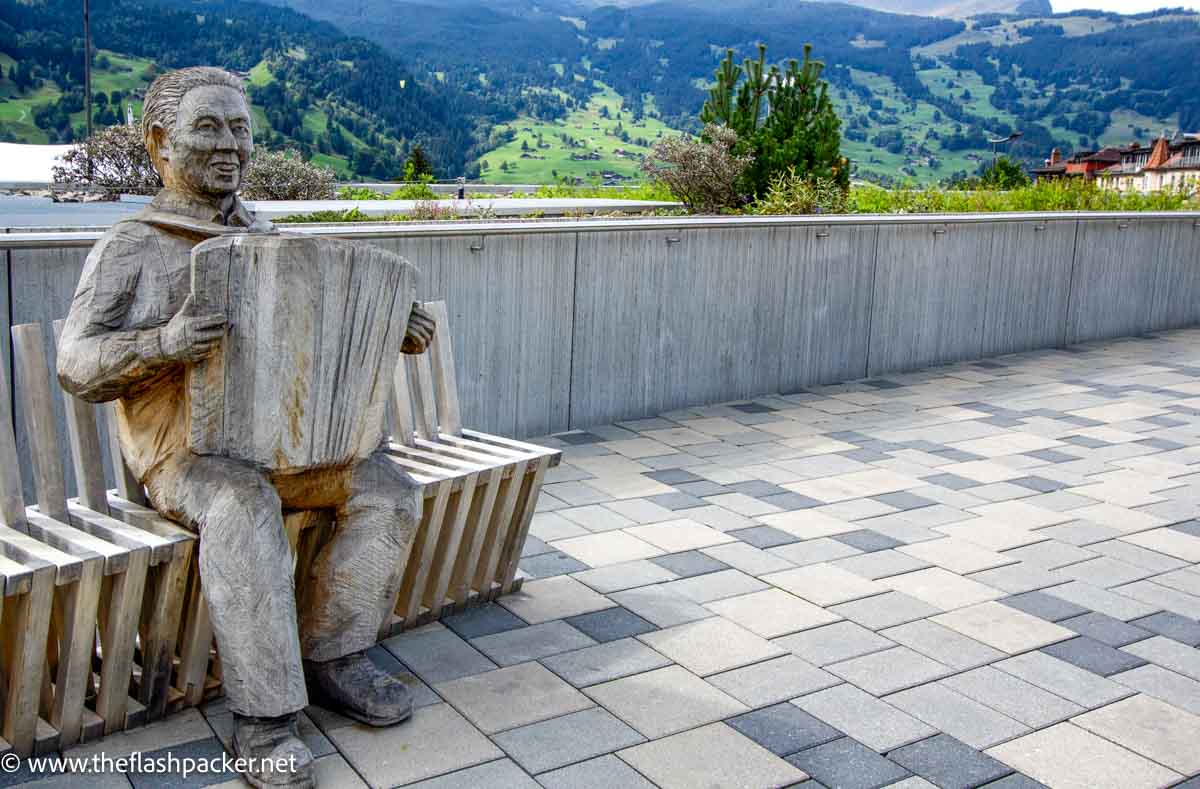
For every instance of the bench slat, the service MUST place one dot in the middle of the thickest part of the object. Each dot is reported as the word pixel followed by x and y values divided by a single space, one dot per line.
pixel 29 356
pixel 441 353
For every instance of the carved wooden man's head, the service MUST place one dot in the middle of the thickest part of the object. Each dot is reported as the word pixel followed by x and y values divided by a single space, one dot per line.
pixel 196 124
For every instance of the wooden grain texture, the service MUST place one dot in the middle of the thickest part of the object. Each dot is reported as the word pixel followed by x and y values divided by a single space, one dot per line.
pixel 827 315
pixel 22 649
pixel 1029 284
pixel 441 359
pixel 930 296
pixel 87 455
pixel 1113 286
pixel 33 383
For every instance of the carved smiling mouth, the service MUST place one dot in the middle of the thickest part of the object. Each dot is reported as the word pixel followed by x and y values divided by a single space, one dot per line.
pixel 225 168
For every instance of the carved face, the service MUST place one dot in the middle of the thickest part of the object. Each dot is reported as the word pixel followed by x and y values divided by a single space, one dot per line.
pixel 209 150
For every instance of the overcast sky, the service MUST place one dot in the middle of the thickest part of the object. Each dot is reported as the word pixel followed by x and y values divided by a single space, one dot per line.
pixel 1122 6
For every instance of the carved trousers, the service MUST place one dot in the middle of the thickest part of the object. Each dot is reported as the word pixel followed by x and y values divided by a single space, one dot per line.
pixel 246 570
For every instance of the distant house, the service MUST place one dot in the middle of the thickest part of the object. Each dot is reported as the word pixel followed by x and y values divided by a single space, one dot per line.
pixel 1167 164
pixel 1081 164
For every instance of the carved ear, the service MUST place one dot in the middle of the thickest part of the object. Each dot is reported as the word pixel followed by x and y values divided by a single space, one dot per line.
pixel 160 142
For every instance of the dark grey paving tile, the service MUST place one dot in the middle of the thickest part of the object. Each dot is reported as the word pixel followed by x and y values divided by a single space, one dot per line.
pixel 791 501
pixel 1105 629
pixel 1160 444
pixel 867 540
pixel 1016 781
pixel 610 624
pixel 957 455
pixel 1087 653
pixel 948 763
pixel 864 455
pixel 702 488
pixel 1188 527
pixel 604 772
pixel 848 764
pixel 209 749
pixel 1051 456
pixel 1045 606
pixel 883 383
pixel 579 439
pixel 1087 442
pixel 548 565
pixel 530 643
pixel 673 476
pixel 689 563
pixel 676 501
pixel 500 774
pixel 571 738
pixel 1040 484
pixel 754 408
pixel 951 481
pixel 903 500
pixel 764 536
pixel 534 546
pixel 1173 626
pixel 757 488
pixel 437 654
pixel 784 729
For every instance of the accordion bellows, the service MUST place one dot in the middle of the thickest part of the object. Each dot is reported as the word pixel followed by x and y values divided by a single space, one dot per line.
pixel 315 325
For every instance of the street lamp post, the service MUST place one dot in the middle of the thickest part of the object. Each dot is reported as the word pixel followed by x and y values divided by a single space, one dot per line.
pixel 993 140
pixel 87 78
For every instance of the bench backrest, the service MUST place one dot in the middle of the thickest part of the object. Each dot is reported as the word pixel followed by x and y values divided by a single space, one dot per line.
pixel 425 388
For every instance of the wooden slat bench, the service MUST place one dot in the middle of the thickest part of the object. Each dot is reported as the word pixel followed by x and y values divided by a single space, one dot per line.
pixel 103 624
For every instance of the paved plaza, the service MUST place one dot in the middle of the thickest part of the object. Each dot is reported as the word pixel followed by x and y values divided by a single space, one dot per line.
pixel 985 574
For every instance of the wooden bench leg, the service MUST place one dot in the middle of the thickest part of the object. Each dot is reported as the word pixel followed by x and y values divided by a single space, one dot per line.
pixel 512 550
pixel 162 609
pixel 26 624
pixel 77 606
pixel 502 525
pixel 195 643
pixel 121 608
pixel 448 545
pixel 421 555
pixel 479 521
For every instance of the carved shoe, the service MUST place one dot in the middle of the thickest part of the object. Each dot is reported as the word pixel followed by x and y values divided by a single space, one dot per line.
pixel 275 754
pixel 357 688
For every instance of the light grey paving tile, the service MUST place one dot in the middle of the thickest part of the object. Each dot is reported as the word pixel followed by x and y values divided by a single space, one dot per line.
pixel 1115 605
pixel 773 681
pixel 720 518
pixel 824 584
pixel 1170 654
pixel 941 588
pixel 894 669
pixel 604 772
pixel 1014 697
pixel 384 757
pixel 715 586
pixel 665 701
pixel 510 697
pixel 880 564
pixel 640 510
pixel 1069 757
pixel 572 738
pixel 576 493
pixel 1153 594
pixel 1080 533
pixel 1187 580
pixel 549 526
pixel 959 716
pixel 833 643
pixel 553 598
pixel 1164 685
pixel 944 645
pixel 659 606
pixel 1003 628
pixel 1135 554
pixel 1020 578
pixel 679 535
pixel 500 774
pixel 604 662
pixel 1105 572
pixel 437 654
pixel 713 755
pixel 747 558
pixel 595 518
pixel 1157 730
pixel 711 645
pixel 605 548
pixel 773 612
pixel 822 549
pixel 1074 684
pixel 531 643
pixel 627 575
pixel 885 610
pixel 1051 555
pixel 874 723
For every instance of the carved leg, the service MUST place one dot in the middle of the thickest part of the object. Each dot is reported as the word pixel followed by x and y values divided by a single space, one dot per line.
pixel 246 575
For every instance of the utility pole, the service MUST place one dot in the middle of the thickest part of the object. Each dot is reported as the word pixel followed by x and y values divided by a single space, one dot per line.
pixel 87 76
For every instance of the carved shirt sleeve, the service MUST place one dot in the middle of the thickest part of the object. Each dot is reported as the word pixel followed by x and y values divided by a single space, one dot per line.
pixel 100 356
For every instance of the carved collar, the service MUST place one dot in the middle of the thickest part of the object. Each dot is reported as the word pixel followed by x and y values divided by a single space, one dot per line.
pixel 173 210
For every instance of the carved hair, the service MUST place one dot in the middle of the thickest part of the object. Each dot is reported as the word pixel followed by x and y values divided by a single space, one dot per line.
pixel 161 105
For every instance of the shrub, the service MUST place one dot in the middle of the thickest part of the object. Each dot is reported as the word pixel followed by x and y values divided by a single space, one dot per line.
pixel 418 191
pixel 112 157
pixel 703 174
pixel 792 193
pixel 284 175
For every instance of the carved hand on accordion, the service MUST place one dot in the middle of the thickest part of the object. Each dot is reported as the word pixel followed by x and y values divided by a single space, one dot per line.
pixel 188 337
pixel 421 327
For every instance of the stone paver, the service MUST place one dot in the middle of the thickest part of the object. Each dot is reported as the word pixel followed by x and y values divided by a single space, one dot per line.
pixel 714 755
pixel 1157 730
pixel 1002 627
pixel 873 722
pixel 888 671
pixel 665 701
pixel 848 763
pixel 963 718
pixel 489 701
pixel 1068 757
pixel 571 738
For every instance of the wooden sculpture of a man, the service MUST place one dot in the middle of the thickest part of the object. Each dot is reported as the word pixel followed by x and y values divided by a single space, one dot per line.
pixel 131 332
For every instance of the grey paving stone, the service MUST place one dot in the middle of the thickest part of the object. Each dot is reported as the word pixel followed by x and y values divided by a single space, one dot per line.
pixel 1016 781
pixel 533 547
pixel 951 481
pixel 873 722
pixel 1074 684
pixel 1019 578
pixel 665 701
pixel 867 540
pixel 771 681
pixel 689 563
pixel 948 763
pixel 1013 697
pixel 500 774
pixel 1167 653
pixel 944 645
pixel 436 654
pixel 1105 571
pixel 702 488
pixel 1173 626
pixel 757 488
pixel 1052 555
pixel 676 501
pixel 553 598
pixel 673 476
pixel 1068 756
pixel 488 700
pixel 610 624
pixel 531 643
pixel 885 610
pixel 1150 727
pixel 822 549
pixel 1116 603
pixel 784 729
pixel 975 724
pixel 715 586
pixel 1105 629
pixel 791 501
pixel 605 662
pixel 848 764
pixel 833 643
pixel 1153 595
pixel 547 565
pixel 1136 554
pixel 1164 685
pixel 903 500
pixel 1079 533
pixel 713 755
pixel 1044 606
pixel 604 772
pixel 764 536
pixel 626 575
pixel 660 606
pixel 888 671
pixel 561 741
pixel 880 564
pixel 1040 484
pixel 711 645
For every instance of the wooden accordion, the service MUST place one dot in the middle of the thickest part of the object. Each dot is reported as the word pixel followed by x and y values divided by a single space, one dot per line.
pixel 302 379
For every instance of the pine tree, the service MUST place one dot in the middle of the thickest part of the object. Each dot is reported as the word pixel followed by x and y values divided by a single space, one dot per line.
pixel 421 166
